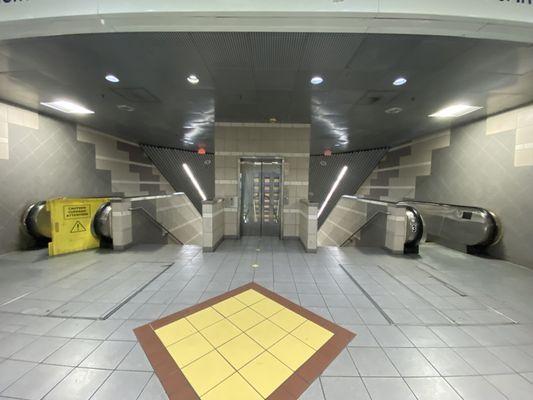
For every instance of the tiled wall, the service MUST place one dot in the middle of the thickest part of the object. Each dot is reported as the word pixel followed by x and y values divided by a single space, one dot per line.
pixel 308 225
pixel 132 172
pixel 42 157
pixel 488 163
pixel 234 141
pixel 213 224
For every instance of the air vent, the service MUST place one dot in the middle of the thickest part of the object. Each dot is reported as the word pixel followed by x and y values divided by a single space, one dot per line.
pixel 136 95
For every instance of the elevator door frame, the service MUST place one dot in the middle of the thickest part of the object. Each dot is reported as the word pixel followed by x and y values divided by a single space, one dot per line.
pixel 281 160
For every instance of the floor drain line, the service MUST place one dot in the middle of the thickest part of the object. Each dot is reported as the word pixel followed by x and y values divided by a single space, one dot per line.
pixel 368 296
pixel 131 296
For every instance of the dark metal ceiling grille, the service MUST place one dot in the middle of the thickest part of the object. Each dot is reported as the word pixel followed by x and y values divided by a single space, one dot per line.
pixel 323 171
pixel 170 162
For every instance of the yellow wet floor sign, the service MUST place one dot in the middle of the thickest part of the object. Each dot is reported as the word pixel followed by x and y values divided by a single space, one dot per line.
pixel 71 224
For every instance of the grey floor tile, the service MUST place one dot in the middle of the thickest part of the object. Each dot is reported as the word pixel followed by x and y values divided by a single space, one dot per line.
pixel 37 382
pixel 454 336
pixel 410 362
pixel 422 336
pixel 371 316
pixel 15 342
pixel 345 315
pixel 129 384
pixel 475 388
pixel 372 362
pixel 514 357
pixel 108 355
pixel 432 389
pixel 342 366
pixel 313 392
pixel 344 388
pixel 69 328
pixel 483 361
pixel 514 387
pixel 39 349
pixel 447 362
pixel 80 384
pixel 125 331
pixel 100 330
pixel 311 300
pixel 11 370
pixel 153 390
pixel 135 361
pixel 390 336
pixel 73 352
pixel 363 336
pixel 388 389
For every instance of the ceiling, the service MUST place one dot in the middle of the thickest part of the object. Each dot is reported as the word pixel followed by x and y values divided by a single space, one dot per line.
pixel 253 77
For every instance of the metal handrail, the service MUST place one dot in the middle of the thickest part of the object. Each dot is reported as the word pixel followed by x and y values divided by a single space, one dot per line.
pixel 156 222
pixel 363 226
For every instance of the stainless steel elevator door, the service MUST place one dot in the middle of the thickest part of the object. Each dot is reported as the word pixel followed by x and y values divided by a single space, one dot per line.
pixel 261 191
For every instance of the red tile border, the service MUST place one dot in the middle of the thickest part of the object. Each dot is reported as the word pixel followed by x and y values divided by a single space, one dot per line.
pixel 178 388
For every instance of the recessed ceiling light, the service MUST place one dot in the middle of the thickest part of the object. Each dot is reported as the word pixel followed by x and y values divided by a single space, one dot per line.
pixel 112 78
pixel 393 110
pixel 67 107
pixel 399 81
pixel 125 107
pixel 317 80
pixel 193 79
pixel 457 110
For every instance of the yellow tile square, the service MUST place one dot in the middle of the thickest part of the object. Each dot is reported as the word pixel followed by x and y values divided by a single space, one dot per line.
pixel 233 388
pixel 246 318
pixel 292 352
pixel 265 373
pixel 267 307
pixel 207 372
pixel 287 319
pixel 220 332
pixel 202 319
pixel 189 349
pixel 240 350
pixel 229 306
pixel 249 297
pixel 266 333
pixel 312 334
pixel 174 332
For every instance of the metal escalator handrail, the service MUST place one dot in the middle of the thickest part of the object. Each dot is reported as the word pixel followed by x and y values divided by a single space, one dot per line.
pixel 363 226
pixel 156 222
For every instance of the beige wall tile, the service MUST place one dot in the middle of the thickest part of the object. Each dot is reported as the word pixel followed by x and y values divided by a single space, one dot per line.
pixel 523 158
pixel 4 151
pixel 502 123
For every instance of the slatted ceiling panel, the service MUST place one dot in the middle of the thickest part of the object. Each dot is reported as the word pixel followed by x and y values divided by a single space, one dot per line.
pixel 321 178
pixel 170 162
pixel 230 50
pixel 277 51
pixel 329 51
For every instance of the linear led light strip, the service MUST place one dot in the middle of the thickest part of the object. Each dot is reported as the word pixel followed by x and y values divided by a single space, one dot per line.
pixel 333 188
pixel 194 182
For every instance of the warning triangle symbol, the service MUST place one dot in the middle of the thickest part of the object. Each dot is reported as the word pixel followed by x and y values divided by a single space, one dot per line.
pixel 78 227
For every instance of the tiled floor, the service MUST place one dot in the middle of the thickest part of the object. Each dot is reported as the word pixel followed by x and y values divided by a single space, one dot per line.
pixel 441 326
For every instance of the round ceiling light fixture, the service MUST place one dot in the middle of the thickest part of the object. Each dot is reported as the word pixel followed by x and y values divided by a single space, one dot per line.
pixel 112 78
pixel 316 80
pixel 193 79
pixel 125 107
pixel 400 81
pixel 394 110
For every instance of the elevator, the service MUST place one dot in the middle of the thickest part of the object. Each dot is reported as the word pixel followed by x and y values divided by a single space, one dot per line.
pixel 261 192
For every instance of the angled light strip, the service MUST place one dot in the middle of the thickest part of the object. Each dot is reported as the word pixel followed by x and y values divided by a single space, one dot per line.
pixel 194 182
pixel 67 107
pixel 333 188
pixel 457 110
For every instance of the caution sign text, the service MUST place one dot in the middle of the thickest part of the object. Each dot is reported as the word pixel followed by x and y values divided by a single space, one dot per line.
pixel 76 212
